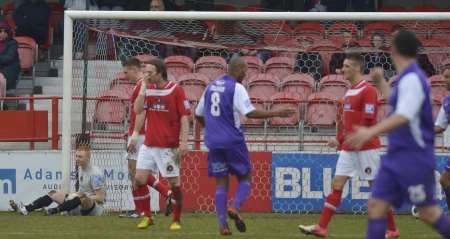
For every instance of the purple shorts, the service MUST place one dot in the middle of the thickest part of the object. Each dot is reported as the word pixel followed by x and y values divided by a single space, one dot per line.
pixel 222 162
pixel 415 185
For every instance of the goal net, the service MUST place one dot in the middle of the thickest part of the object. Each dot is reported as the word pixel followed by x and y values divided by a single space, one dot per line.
pixel 292 60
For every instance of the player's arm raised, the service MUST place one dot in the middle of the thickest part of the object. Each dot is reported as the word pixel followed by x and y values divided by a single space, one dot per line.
pixel 383 86
pixel 409 103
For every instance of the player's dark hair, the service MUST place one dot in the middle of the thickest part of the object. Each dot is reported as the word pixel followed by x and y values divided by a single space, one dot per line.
pixel 159 66
pixel 356 57
pixel 132 62
pixel 406 43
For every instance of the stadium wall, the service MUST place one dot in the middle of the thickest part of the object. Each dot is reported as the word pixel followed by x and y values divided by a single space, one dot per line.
pixel 282 182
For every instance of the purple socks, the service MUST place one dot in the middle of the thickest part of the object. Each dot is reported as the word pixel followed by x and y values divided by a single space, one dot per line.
pixel 442 225
pixel 221 205
pixel 377 228
pixel 447 196
pixel 242 192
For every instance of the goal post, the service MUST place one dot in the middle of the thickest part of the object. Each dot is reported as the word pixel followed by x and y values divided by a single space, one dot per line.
pixel 69 63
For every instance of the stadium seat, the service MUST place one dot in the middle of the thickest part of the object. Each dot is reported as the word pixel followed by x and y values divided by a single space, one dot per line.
pixel 259 104
pixel 283 100
pixel 334 84
pixel 309 28
pixel 371 27
pixel 425 8
pixel 179 65
pixel 194 83
pixel 251 8
pixel 211 66
pixel 384 109
pixel 321 109
pixel 302 84
pixel 126 89
pixel 254 64
pixel 280 66
pixel 438 86
pixel 263 85
pixel 144 57
pixel 28 53
pixel 110 108
pixel 335 30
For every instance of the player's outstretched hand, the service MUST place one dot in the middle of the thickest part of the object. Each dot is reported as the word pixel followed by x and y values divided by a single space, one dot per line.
pixel 284 113
pixel 359 137
pixel 333 143
pixel 377 75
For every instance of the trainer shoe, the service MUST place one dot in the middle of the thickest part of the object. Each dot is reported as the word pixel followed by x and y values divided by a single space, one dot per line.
pixel 225 231
pixel 22 209
pixel 130 214
pixel 51 211
pixel 315 230
pixel 238 221
pixel 175 226
pixel 393 233
pixel 146 222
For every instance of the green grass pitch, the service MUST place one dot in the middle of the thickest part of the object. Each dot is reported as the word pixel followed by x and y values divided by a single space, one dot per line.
pixel 195 226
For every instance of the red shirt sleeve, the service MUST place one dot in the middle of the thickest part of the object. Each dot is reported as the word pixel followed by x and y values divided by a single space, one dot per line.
pixel 370 105
pixel 183 105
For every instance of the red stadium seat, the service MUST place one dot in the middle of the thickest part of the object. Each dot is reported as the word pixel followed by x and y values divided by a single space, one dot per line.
pixel 27 49
pixel 309 28
pixel 371 27
pixel 211 66
pixel 335 85
pixel 254 64
pixel 425 8
pixel 125 89
pixel 110 109
pixel 384 109
pixel 283 100
pixel 280 66
pixel 259 104
pixel 179 65
pixel 321 110
pixel 438 86
pixel 194 83
pixel 251 8
pixel 335 30
pixel 144 57
pixel 302 84
pixel 263 85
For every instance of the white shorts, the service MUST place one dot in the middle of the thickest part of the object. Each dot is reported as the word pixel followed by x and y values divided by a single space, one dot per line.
pixel 140 142
pixel 163 159
pixel 96 211
pixel 363 164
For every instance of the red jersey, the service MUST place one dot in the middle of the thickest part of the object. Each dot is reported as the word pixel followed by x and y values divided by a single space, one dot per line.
pixel 133 114
pixel 165 107
pixel 359 108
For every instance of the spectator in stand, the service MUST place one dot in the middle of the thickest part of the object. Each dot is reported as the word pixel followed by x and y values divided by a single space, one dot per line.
pixel 308 62
pixel 425 63
pixel 350 44
pixel 162 5
pixel 32 19
pixel 114 5
pixel 379 57
pixel 318 7
pixel 9 58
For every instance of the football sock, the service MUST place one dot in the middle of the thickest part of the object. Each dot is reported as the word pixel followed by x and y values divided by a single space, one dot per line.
pixel 156 184
pixel 376 228
pixel 442 225
pixel 390 220
pixel 332 202
pixel 41 202
pixel 242 192
pixel 447 196
pixel 141 197
pixel 69 204
pixel 178 196
pixel 221 205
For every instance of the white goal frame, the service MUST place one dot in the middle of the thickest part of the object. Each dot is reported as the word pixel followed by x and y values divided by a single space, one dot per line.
pixel 70 16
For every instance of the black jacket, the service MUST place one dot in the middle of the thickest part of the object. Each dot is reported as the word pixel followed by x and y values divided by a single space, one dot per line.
pixel 10 63
pixel 113 3
pixel 32 20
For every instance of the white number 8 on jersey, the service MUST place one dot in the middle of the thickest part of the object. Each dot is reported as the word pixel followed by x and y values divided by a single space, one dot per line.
pixel 215 101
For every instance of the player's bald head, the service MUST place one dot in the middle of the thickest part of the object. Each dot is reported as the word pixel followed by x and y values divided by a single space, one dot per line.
pixel 237 68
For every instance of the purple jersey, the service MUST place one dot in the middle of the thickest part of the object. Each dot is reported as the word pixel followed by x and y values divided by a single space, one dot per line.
pixel 417 137
pixel 221 105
